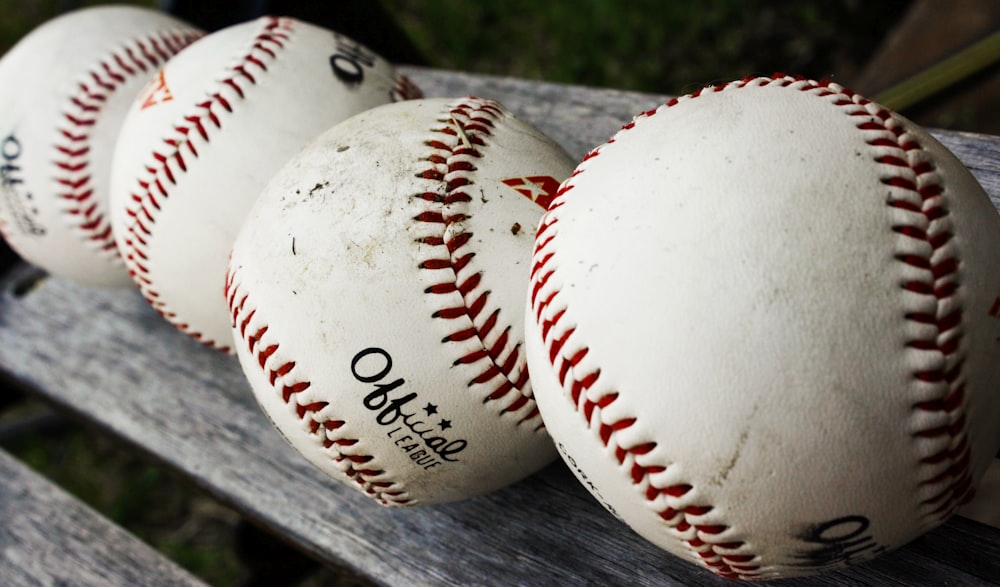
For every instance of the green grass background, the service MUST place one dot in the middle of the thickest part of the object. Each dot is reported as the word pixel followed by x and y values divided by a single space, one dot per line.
pixel 648 45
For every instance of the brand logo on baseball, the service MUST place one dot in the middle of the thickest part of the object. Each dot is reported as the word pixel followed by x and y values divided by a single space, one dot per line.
pixel 585 480
pixel 17 200
pixel 414 426
pixel 350 60
pixel 540 189
pixel 838 542
pixel 157 91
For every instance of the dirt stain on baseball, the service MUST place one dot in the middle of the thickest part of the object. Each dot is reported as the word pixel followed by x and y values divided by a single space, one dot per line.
pixel 720 479
pixel 724 474
pixel 318 186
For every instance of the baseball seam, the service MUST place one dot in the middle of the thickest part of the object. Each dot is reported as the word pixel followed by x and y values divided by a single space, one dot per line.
pixel 454 150
pixel 73 170
pixel 152 189
pixel 405 89
pixel 918 194
pixel 285 378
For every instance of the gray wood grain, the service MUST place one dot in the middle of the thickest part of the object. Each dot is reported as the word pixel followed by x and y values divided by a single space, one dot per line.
pixel 47 537
pixel 105 356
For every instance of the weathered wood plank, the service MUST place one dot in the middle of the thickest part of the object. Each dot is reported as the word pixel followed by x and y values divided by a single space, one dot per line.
pixel 106 356
pixel 578 118
pixel 47 537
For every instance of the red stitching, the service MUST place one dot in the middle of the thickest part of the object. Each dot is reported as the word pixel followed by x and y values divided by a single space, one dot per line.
pixel 920 196
pixel 452 159
pixel 171 159
pixel 405 89
pixel 72 162
pixel 283 377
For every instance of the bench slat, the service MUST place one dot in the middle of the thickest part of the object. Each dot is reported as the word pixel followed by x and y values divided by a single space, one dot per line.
pixel 48 537
pixel 105 355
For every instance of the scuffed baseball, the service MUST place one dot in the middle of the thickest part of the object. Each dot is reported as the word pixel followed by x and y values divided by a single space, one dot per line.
pixel 763 327
pixel 64 91
pixel 204 137
pixel 377 299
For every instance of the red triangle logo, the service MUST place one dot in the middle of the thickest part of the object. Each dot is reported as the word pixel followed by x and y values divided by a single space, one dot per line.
pixel 157 92
pixel 540 189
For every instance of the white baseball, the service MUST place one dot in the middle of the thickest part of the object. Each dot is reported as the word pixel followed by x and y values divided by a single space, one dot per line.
pixel 205 136
pixel 377 298
pixel 64 91
pixel 763 327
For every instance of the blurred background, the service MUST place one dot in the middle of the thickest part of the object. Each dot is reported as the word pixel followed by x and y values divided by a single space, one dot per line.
pixel 933 61
pixel 659 47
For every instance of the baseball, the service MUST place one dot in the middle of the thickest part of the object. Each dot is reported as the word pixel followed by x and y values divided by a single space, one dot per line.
pixel 377 299
pixel 206 134
pixel 66 87
pixel 763 327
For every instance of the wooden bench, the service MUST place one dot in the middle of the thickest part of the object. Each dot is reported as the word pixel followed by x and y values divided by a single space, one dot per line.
pixel 106 357
pixel 48 537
